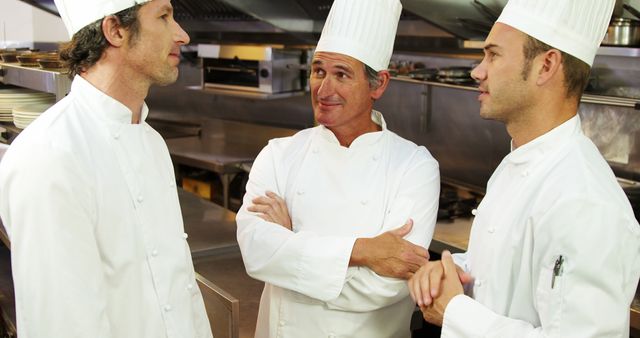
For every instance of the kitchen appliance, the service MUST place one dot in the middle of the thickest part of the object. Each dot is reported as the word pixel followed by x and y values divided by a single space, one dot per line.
pixel 622 32
pixel 456 75
pixel 258 69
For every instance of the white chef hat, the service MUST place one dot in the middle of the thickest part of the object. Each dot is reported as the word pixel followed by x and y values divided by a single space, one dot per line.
pixel 362 29
pixel 76 14
pixel 575 27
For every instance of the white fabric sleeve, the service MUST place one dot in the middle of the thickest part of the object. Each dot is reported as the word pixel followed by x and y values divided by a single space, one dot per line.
pixel 591 296
pixel 417 199
pixel 304 262
pixel 461 260
pixel 46 201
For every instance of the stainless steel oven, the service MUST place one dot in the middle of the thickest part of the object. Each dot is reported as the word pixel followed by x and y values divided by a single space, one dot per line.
pixel 262 69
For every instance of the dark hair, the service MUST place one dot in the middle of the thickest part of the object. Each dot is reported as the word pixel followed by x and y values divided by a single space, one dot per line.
pixel 88 44
pixel 576 72
pixel 372 76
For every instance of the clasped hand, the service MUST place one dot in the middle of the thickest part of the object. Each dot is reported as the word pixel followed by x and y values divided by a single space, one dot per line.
pixel 435 284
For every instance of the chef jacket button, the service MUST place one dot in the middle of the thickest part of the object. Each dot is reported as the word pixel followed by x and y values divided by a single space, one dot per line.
pixel 140 199
pixel 375 157
pixel 189 286
pixel 172 183
pixel 525 173
pixel 364 202
pixel 314 150
pixel 185 235
pixel 167 308
pixel 332 335
pixel 478 282
pixel 147 129
pixel 154 252
pixel 300 192
pixel 491 230
pixel 474 212
pixel 282 323
pixel 116 136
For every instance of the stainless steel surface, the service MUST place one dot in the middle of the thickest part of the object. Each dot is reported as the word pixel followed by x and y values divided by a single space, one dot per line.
pixel 223 147
pixel 619 51
pixel 446 14
pixel 284 14
pixel 610 100
pixel 211 228
pixel 247 94
pixel 228 272
pixel 632 10
pixel 49 81
pixel 223 309
pixel 261 69
pixel 452 235
pixel 467 147
pixel 622 32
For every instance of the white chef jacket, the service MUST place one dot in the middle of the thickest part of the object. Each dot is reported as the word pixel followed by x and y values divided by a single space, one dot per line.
pixel 97 241
pixel 554 196
pixel 335 195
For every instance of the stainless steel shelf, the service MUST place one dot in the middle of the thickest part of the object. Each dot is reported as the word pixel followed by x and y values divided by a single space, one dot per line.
pixel 603 50
pixel 49 81
pixel 618 51
pixel 586 98
pixel 246 94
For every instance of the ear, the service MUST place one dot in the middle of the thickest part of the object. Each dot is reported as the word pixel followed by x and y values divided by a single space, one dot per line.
pixel 550 65
pixel 383 78
pixel 112 31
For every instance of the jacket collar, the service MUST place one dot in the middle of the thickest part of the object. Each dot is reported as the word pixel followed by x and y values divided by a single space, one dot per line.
pixel 109 108
pixel 553 139
pixel 362 140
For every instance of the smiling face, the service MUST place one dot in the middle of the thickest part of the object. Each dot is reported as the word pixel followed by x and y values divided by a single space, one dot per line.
pixel 154 53
pixel 340 93
pixel 505 91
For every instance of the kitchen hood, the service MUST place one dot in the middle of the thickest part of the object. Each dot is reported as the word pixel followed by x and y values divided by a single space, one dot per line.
pixel 301 21
pixel 465 19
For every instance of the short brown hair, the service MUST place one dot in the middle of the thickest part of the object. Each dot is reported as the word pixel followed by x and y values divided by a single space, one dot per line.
pixel 88 44
pixel 576 72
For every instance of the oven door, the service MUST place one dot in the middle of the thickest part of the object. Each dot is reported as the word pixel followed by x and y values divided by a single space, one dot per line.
pixel 231 74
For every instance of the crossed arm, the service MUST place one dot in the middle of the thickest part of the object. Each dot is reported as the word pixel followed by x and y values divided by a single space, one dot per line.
pixel 388 254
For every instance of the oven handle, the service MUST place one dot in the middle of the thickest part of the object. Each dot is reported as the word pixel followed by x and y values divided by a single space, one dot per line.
pixel 227 69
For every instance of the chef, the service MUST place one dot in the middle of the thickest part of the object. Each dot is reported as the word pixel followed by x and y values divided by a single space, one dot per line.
pixel 87 191
pixel 554 246
pixel 337 217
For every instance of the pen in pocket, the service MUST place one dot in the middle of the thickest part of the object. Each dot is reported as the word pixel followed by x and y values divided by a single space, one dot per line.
pixel 557 270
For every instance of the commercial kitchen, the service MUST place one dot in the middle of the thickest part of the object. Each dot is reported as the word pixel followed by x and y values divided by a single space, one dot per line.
pixel 244 79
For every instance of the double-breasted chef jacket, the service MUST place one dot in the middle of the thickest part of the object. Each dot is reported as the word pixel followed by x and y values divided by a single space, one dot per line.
pixel 334 195
pixel 97 241
pixel 554 247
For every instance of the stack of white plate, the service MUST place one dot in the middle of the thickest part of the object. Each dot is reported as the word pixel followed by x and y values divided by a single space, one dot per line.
pixel 24 115
pixel 17 97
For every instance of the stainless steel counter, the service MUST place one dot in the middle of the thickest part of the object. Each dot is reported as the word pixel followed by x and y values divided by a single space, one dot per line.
pixel 223 147
pixel 227 271
pixel 211 228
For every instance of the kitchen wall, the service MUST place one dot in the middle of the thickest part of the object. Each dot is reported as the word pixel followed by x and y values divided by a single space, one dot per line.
pixel 443 119
pixel 22 24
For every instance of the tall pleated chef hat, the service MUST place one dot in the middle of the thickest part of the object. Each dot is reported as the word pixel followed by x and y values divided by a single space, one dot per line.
pixel 575 27
pixel 362 29
pixel 76 14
